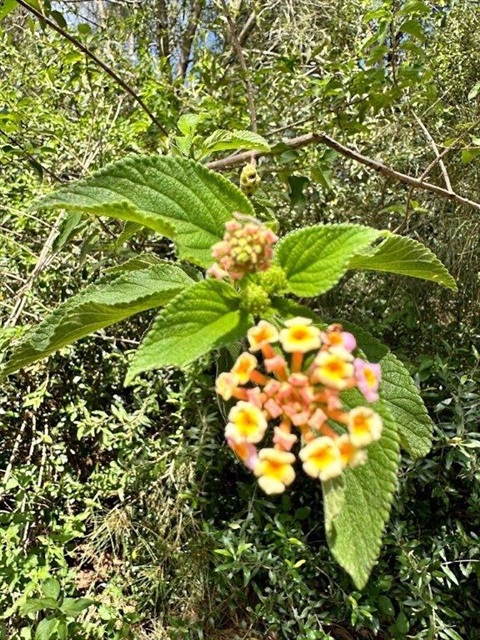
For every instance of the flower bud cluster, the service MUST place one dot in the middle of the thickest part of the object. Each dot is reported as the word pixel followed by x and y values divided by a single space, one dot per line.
pixel 246 248
pixel 298 388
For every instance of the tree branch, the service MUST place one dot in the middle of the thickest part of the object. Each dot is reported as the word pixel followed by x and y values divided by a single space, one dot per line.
pixel 376 165
pixel 441 164
pixel 243 64
pixel 97 61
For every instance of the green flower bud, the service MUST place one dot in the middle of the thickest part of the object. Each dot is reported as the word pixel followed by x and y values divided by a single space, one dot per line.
pixel 249 179
pixel 274 280
pixel 255 299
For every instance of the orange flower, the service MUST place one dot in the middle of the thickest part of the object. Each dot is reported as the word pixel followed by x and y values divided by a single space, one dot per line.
pixel 299 336
pixel 321 458
pixel 244 366
pixel 351 456
pixel 274 470
pixel 333 368
pixel 364 425
pixel 225 385
pixel 246 423
pixel 262 334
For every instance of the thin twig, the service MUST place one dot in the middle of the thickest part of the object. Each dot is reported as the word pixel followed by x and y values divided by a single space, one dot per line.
pixel 441 164
pixel 376 165
pixel 43 260
pixel 28 155
pixel 97 60
pixel 243 64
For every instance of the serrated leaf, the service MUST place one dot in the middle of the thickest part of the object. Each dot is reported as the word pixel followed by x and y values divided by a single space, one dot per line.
pixel 73 607
pixel 6 6
pixel 176 197
pixel 222 140
pixel 400 395
pixel 46 628
pixel 315 258
pixel 357 512
pixel 404 256
pixel 96 307
pixel 51 588
pixel 204 317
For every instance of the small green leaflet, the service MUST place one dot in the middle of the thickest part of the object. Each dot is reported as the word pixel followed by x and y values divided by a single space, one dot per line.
pixel 176 197
pixel 315 258
pixel 206 316
pixel 405 256
pixel 98 306
pixel 231 140
pixel 357 505
pixel 400 395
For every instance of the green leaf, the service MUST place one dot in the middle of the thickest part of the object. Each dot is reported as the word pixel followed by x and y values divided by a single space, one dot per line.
pixel 51 588
pixel 98 306
pixel 73 607
pixel 357 506
pixel 204 317
pixel 224 140
pixel 176 197
pixel 315 258
pixel 189 122
pixel 46 628
pixel 6 6
pixel 405 256
pixel 38 604
pixel 400 395
pixel 414 28
pixel 474 91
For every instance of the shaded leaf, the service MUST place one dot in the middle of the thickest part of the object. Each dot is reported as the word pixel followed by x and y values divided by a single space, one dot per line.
pixel 51 588
pixel 204 317
pixel 400 395
pixel 404 256
pixel 72 607
pixel 98 306
pixel 357 506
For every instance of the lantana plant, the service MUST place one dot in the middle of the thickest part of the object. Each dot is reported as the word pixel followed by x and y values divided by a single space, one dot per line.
pixel 328 394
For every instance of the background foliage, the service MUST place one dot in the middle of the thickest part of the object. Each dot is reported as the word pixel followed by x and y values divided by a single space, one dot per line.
pixel 127 495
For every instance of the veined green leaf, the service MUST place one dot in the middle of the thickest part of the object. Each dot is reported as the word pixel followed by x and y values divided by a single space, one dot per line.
pixel 98 306
pixel 224 140
pixel 46 628
pixel 357 506
pixel 315 258
pixel 400 395
pixel 405 256
pixel 73 607
pixel 206 316
pixel 176 197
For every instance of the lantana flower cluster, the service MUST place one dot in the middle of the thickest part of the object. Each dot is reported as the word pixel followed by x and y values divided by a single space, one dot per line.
pixel 292 379
pixel 246 248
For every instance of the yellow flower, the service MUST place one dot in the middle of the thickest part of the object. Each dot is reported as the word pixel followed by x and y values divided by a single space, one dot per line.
pixel 274 470
pixel 300 336
pixel 351 456
pixel 244 366
pixel 321 458
pixel 225 385
pixel 246 423
pixel 262 334
pixel 364 425
pixel 334 368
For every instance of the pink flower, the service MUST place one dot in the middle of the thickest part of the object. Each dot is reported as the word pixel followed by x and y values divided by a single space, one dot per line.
pixel 367 375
